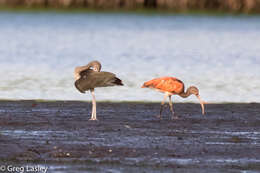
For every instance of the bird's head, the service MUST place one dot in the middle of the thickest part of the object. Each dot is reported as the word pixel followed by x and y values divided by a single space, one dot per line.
pixel 95 65
pixel 194 90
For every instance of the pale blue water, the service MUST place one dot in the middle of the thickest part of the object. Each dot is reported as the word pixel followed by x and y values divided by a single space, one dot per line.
pixel 219 55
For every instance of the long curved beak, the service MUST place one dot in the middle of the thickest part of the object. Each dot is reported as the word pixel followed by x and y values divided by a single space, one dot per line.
pixel 202 104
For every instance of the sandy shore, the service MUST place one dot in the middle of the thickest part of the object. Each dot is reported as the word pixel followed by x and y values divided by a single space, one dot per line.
pixel 128 137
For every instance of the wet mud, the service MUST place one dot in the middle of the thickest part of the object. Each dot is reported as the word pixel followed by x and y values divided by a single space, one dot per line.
pixel 129 137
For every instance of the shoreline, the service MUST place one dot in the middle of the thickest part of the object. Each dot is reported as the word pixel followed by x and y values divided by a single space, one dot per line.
pixel 123 101
pixel 138 11
pixel 129 137
pixel 242 6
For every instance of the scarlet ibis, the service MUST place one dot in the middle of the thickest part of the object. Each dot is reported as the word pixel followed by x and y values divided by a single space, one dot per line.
pixel 89 77
pixel 172 86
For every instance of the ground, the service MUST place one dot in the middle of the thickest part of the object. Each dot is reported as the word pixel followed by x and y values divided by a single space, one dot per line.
pixel 129 137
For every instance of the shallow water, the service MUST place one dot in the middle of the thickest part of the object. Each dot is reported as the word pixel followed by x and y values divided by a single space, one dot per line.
pixel 220 55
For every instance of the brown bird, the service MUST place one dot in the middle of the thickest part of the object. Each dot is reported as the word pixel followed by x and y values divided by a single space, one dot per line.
pixel 89 77
pixel 172 86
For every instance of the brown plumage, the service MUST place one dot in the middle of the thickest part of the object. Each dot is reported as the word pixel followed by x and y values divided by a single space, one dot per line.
pixel 172 86
pixel 89 77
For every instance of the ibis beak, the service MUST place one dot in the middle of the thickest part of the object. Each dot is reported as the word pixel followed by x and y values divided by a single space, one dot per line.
pixel 202 104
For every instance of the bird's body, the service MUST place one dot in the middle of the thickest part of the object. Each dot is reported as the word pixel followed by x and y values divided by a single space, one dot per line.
pixel 91 79
pixel 172 86
pixel 166 84
pixel 88 79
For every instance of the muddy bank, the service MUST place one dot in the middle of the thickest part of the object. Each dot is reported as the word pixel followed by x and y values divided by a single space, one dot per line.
pixel 248 6
pixel 128 137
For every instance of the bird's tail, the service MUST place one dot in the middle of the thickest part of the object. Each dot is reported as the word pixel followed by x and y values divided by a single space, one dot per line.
pixel 117 81
pixel 146 84
pixel 143 86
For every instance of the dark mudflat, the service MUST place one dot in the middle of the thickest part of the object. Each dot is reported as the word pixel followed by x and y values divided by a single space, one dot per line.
pixel 128 137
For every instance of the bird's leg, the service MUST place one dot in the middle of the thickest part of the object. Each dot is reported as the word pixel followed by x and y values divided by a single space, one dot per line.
pixel 162 105
pixel 171 108
pixel 202 104
pixel 94 106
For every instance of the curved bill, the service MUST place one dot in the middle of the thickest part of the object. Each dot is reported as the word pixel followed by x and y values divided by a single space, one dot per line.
pixel 202 104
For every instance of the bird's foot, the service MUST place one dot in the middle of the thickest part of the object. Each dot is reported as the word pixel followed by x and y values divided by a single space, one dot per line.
pixel 175 117
pixel 93 119
pixel 159 116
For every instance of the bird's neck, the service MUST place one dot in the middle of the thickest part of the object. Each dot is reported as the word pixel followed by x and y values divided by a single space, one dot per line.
pixel 185 94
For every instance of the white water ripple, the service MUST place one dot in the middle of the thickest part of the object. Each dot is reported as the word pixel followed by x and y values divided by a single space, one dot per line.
pixel 220 55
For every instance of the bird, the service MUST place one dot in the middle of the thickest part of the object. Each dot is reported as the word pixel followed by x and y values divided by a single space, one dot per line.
pixel 172 86
pixel 89 77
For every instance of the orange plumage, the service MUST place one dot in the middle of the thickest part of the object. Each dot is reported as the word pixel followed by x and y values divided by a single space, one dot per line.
pixel 170 86
pixel 166 84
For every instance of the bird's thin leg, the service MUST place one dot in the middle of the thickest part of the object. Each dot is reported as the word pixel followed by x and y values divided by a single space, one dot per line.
pixel 162 105
pixel 171 108
pixel 94 106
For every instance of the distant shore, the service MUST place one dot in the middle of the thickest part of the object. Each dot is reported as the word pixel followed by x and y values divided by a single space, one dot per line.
pixel 232 6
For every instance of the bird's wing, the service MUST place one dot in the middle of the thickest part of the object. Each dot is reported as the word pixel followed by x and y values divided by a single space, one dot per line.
pixel 172 85
pixel 91 79
pixel 155 83
pixel 101 79
pixel 77 85
pixel 86 72
pixel 169 84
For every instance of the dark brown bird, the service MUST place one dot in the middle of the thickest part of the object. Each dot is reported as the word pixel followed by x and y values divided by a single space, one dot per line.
pixel 89 77
pixel 172 86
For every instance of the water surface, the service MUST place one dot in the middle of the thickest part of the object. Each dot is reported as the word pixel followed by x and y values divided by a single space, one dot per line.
pixel 220 55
